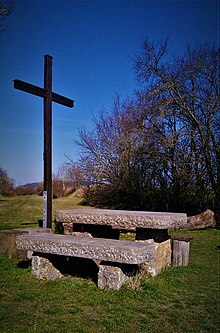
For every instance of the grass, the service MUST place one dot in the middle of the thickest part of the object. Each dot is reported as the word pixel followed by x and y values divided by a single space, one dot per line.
pixel 2 197
pixel 179 300
pixel 25 211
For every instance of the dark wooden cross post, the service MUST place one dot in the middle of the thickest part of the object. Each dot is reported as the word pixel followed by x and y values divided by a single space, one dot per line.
pixel 49 97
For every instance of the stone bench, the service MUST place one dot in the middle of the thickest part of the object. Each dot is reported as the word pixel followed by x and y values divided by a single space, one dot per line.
pixel 110 254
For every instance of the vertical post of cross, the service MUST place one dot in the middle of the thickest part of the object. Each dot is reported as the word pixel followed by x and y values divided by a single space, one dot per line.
pixel 48 136
pixel 49 97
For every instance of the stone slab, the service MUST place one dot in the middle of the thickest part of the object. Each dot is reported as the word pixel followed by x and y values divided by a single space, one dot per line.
pixel 120 251
pixel 122 218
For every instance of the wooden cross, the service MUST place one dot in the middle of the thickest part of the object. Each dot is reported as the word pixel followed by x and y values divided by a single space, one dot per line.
pixel 49 97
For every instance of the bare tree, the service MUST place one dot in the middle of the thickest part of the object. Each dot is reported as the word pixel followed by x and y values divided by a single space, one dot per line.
pixel 189 87
pixel 6 183
pixel 67 179
pixel 161 149
pixel 118 154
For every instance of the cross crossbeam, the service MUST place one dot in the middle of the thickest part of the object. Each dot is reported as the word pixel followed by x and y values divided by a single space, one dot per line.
pixel 49 96
pixel 41 92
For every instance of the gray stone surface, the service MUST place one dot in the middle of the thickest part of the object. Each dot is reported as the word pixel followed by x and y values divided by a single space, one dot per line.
pixel 110 277
pixel 122 218
pixel 162 259
pixel 92 248
pixel 43 269
pixel 200 221
pixel 81 234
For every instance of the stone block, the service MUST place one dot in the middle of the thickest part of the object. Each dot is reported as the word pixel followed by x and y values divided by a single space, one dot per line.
pixel 81 234
pixel 160 239
pixel 161 261
pixel 110 277
pixel 8 240
pixel 43 269
pixel 201 221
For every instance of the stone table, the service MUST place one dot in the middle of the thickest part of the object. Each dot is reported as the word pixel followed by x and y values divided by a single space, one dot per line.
pixel 108 223
pixel 122 218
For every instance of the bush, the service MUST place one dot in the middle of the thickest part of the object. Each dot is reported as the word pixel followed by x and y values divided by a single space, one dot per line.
pixel 6 183
pixel 191 200
pixel 25 190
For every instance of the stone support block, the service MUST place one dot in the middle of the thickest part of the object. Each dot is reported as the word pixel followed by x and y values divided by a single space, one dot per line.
pixel 8 241
pixel 162 259
pixel 81 234
pixel 162 244
pixel 110 277
pixel 43 269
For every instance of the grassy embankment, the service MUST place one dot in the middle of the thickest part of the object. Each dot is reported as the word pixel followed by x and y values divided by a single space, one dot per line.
pixel 25 211
pixel 179 300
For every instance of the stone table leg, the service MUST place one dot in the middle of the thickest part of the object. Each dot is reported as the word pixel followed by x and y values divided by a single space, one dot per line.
pixel 162 243
pixel 111 277
pixel 43 269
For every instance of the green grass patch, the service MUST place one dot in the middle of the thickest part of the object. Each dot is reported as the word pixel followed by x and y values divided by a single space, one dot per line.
pixel 181 300
pixel 2 197
pixel 25 211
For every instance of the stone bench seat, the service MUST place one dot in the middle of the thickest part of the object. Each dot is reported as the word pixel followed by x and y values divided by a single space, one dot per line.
pixel 113 253
pixel 121 251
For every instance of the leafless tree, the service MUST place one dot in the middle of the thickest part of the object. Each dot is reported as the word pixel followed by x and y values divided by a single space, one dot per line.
pixel 188 87
pixel 160 150
pixel 6 183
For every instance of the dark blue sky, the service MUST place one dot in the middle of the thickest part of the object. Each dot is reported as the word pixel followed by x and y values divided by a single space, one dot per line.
pixel 92 44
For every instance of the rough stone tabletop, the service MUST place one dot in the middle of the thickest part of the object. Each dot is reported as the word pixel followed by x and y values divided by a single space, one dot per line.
pixel 128 252
pixel 123 218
